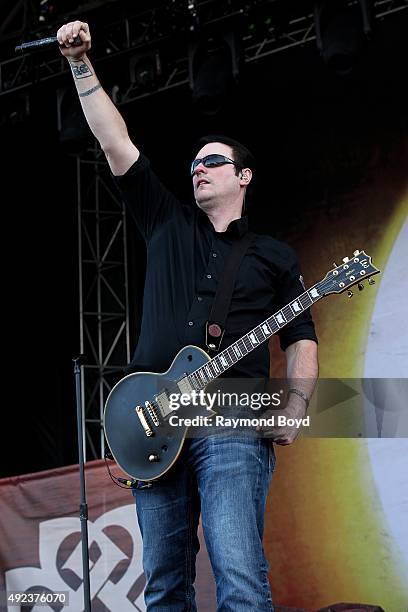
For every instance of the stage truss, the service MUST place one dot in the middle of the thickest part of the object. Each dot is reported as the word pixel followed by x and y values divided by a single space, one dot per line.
pixel 103 292
pixel 102 242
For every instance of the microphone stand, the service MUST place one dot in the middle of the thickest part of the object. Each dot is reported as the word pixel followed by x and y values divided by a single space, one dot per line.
pixel 83 508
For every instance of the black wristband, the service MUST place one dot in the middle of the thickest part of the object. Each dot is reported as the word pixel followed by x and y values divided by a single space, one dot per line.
pixel 300 394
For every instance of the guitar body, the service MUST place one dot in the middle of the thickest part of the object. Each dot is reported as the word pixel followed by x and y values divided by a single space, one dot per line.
pixel 124 431
pixel 137 411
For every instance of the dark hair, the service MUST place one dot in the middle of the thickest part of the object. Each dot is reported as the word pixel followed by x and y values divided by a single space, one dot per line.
pixel 242 156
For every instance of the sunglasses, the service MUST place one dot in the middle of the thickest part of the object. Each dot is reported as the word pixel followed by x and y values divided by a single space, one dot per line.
pixel 211 161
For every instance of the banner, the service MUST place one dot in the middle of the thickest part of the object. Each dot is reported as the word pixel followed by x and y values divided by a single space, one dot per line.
pixel 41 541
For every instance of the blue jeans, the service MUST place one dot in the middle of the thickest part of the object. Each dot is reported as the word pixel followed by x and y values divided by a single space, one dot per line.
pixel 226 477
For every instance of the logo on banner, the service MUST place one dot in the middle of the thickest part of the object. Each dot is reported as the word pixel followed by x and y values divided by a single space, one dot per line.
pixel 115 563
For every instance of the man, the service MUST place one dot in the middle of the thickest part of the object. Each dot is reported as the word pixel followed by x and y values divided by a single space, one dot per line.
pixel 225 477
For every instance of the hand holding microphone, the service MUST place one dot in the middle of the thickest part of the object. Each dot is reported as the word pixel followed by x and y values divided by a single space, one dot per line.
pixel 74 39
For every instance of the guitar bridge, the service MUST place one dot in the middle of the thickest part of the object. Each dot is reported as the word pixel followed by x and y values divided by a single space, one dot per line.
pixel 152 413
pixel 140 411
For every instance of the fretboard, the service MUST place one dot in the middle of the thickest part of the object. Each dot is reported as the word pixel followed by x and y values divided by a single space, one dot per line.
pixel 201 377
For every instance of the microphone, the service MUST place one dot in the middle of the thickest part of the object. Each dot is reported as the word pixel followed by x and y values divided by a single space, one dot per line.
pixel 43 42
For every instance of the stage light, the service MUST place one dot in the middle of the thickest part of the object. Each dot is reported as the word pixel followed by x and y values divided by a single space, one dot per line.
pixel 145 71
pixel 342 30
pixel 47 10
pixel 213 71
pixel 193 15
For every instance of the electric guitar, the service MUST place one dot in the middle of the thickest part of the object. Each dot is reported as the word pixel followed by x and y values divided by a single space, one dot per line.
pixel 138 408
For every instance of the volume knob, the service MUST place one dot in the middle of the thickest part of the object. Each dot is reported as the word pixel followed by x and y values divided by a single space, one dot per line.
pixel 153 457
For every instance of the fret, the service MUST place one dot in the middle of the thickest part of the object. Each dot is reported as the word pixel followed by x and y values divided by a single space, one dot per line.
pixel 266 329
pixel 216 365
pixel 254 340
pixel 223 360
pixel 280 319
pixel 204 375
pixel 296 307
pixel 199 380
pixel 232 354
pixel 242 347
pixel 236 350
pixel 208 371
pixel 259 334
pixel 288 313
pixel 251 340
pixel 212 369
pixel 227 357
pixel 201 377
pixel 247 342
pixel 193 380
pixel 273 324
pixel 305 300
pixel 313 293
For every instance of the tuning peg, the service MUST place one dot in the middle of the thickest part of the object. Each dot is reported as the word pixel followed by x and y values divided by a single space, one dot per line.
pixel 356 253
pixel 371 281
pixel 360 286
pixel 350 293
pixel 346 259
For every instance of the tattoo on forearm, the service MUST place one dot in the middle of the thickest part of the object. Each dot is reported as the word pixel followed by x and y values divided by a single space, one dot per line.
pixel 88 92
pixel 80 70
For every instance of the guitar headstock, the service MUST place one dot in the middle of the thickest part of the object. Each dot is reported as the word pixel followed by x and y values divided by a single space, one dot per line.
pixel 353 271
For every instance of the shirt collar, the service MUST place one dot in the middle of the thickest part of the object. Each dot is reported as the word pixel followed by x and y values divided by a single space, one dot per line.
pixel 237 228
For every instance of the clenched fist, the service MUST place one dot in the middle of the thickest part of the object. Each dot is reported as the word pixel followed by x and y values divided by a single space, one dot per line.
pixel 66 35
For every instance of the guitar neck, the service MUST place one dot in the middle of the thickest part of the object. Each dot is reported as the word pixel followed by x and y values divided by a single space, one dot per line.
pixel 219 364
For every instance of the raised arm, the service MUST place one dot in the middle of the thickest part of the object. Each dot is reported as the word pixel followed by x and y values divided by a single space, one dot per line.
pixel 103 117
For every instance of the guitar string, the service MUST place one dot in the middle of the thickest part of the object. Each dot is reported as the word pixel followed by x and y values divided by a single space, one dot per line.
pixel 321 286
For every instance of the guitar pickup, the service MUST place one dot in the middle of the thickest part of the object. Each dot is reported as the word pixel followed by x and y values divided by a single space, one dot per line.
pixel 163 403
pixel 184 385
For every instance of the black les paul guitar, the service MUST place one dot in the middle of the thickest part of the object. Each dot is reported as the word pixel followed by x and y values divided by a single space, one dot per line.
pixel 137 411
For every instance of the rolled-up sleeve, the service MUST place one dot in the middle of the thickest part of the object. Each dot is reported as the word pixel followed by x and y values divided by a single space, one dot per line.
pixel 290 287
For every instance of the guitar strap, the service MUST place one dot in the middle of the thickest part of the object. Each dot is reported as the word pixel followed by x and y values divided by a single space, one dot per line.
pixel 215 326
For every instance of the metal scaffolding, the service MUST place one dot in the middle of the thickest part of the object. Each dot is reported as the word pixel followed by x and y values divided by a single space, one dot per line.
pixel 102 243
pixel 170 26
pixel 103 292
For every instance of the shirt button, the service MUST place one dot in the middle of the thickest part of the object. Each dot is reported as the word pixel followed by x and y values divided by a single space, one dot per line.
pixel 199 298
pixel 214 254
pixel 190 323
pixel 209 276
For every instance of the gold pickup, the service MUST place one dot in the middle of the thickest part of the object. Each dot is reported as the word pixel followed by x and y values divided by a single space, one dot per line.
pixel 141 414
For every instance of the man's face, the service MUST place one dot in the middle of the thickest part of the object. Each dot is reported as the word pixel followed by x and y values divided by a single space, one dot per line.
pixel 213 185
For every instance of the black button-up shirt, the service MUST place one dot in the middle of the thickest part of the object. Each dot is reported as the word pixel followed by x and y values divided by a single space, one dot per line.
pixel 185 258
